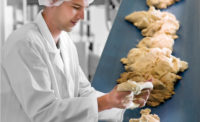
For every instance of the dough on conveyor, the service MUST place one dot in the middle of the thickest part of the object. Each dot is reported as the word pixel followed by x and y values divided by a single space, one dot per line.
pixel 142 19
pixel 152 59
pixel 158 65
pixel 159 40
pixel 146 117
pixel 161 4
pixel 168 25
pixel 163 88
pixel 154 22
pixel 155 60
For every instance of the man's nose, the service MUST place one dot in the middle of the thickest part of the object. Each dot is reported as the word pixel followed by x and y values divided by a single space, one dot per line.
pixel 81 14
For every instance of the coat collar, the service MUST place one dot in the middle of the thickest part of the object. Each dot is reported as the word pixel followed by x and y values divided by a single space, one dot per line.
pixel 49 41
pixel 54 52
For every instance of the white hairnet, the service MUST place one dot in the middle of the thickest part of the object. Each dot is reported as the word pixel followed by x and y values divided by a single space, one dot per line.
pixel 57 3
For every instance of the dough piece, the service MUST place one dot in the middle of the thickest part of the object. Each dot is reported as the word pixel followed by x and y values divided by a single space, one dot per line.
pixel 135 87
pixel 146 117
pixel 154 22
pixel 142 19
pixel 158 65
pixel 168 25
pixel 160 41
pixel 161 4
pixel 153 60
pixel 162 88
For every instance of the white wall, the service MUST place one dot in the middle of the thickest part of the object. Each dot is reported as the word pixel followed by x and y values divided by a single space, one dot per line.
pixel 98 27
pixel 89 60
pixel 2 20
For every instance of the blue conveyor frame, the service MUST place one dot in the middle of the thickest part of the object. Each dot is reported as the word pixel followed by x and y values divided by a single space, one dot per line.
pixel 184 106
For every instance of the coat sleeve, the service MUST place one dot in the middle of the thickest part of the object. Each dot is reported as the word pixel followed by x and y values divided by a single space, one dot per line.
pixel 111 115
pixel 30 80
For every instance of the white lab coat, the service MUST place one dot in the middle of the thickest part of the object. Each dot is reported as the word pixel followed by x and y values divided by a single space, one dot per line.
pixel 41 83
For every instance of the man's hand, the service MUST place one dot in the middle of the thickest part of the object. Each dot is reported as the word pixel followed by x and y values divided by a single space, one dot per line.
pixel 142 98
pixel 115 99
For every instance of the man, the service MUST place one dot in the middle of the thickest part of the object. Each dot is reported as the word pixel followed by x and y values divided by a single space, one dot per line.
pixel 41 77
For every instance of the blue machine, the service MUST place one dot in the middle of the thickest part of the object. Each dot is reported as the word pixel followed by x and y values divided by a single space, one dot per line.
pixel 184 106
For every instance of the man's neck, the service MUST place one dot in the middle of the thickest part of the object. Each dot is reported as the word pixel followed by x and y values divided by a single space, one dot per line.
pixel 55 32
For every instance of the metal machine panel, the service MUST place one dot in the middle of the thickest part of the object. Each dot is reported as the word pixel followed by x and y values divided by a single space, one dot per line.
pixel 185 104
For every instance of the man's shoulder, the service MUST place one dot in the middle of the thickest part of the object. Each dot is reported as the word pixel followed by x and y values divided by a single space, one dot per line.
pixel 28 34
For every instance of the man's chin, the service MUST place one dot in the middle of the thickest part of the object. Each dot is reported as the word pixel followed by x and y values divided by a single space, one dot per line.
pixel 68 29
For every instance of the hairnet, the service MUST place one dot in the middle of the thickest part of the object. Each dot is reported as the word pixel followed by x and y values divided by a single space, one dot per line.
pixel 57 3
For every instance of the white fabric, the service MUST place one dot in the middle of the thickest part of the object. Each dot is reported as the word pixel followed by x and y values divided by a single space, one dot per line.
pixel 135 88
pixel 57 3
pixel 35 87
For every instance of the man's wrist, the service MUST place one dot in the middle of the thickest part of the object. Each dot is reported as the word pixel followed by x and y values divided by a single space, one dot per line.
pixel 104 103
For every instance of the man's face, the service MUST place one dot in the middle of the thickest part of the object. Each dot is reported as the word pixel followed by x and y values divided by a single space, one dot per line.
pixel 69 13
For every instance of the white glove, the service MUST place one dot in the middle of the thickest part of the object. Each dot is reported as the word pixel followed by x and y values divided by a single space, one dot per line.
pixel 55 2
pixel 135 88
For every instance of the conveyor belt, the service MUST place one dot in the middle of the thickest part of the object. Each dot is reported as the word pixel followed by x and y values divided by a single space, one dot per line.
pixel 184 106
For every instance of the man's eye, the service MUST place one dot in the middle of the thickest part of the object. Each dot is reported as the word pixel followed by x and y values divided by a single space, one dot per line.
pixel 75 7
